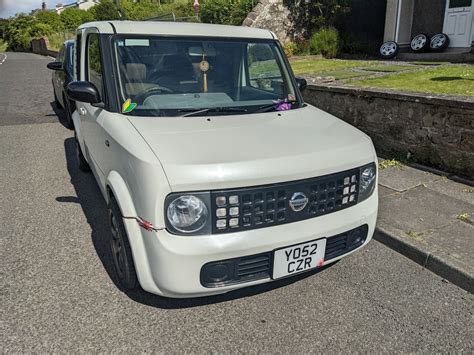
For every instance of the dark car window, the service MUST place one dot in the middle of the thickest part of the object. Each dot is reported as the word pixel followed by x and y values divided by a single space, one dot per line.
pixel 94 63
pixel 60 57
pixel 68 58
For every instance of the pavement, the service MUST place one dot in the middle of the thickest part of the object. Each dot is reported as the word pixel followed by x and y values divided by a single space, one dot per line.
pixel 58 290
pixel 430 219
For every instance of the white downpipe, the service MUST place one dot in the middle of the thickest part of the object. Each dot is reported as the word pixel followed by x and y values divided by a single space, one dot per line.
pixel 399 15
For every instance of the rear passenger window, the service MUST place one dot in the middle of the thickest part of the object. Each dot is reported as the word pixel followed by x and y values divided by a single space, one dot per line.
pixel 94 63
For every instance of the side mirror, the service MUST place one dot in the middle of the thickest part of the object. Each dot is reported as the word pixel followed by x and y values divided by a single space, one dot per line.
pixel 83 91
pixel 302 83
pixel 55 65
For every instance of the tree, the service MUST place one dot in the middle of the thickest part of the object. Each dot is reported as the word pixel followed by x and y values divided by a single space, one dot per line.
pixel 73 18
pixel 106 10
pixel 17 32
pixel 50 18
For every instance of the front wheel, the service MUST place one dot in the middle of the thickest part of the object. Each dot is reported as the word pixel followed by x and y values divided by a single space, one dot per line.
pixel 120 248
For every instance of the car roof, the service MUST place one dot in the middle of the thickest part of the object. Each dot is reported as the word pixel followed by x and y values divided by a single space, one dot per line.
pixel 178 29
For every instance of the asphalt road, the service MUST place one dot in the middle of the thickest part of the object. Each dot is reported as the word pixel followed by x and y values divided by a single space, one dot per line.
pixel 58 289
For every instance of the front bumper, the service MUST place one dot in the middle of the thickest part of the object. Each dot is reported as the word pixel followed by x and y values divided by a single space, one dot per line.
pixel 170 265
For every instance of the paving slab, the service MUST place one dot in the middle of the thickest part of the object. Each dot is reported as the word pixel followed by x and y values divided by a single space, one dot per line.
pixel 419 216
pixel 385 191
pixel 420 210
pixel 403 178
pixel 453 189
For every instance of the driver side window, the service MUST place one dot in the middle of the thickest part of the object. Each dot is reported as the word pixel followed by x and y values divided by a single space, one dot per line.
pixel 94 62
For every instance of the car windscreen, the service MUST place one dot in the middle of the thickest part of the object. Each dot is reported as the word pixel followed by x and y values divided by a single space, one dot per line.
pixel 170 76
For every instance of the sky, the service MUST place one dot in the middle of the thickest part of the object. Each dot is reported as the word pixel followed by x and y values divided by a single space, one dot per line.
pixel 11 7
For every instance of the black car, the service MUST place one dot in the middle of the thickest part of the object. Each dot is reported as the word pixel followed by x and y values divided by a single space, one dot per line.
pixel 63 74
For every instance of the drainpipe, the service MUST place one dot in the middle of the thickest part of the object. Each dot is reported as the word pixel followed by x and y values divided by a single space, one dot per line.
pixel 399 14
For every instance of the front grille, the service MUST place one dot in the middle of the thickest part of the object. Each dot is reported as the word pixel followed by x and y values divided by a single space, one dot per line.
pixel 265 206
pixel 259 266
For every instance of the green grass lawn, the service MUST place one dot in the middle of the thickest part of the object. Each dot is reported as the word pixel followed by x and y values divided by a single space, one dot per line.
pixel 451 80
pixel 319 66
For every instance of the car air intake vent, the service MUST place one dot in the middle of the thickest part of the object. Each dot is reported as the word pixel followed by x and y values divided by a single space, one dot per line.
pixel 269 205
pixel 345 242
pixel 232 271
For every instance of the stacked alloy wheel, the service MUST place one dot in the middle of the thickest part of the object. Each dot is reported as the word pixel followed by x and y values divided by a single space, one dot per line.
pixel 389 50
pixel 420 43
pixel 439 42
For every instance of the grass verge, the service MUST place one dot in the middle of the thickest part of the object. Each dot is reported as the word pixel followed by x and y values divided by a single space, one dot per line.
pixel 457 80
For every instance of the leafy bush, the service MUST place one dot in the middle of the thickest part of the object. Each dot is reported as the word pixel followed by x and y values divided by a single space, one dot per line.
pixel 229 12
pixel 291 48
pixel 313 15
pixel 73 18
pixel 325 42
pixel 17 33
pixel 106 10
pixel 51 19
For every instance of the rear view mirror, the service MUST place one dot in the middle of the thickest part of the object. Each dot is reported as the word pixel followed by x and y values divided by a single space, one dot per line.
pixel 83 91
pixel 55 65
pixel 302 83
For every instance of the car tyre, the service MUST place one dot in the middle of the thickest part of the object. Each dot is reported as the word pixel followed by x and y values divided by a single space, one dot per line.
pixel 120 248
pixel 81 161
pixel 439 42
pixel 389 50
pixel 68 113
pixel 420 43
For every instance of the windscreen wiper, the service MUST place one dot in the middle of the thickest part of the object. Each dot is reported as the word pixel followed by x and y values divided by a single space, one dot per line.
pixel 205 111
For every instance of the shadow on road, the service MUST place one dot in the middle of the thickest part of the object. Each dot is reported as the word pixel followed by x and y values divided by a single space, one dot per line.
pixel 95 210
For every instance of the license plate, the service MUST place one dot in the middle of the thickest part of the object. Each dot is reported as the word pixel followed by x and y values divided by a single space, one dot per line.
pixel 298 258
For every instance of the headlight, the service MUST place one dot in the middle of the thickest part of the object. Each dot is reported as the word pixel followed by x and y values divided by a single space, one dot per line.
pixel 187 214
pixel 368 179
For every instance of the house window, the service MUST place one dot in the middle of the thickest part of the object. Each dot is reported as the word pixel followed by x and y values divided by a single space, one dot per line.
pixel 459 3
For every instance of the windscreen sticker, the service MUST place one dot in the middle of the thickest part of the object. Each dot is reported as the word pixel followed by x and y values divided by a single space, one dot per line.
pixel 128 106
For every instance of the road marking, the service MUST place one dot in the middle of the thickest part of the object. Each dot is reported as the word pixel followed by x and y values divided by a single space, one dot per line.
pixel 4 58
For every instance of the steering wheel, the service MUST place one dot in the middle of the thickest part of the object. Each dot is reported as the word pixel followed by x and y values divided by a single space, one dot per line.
pixel 141 97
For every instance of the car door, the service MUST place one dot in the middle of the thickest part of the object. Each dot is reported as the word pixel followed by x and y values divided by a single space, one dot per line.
pixel 92 116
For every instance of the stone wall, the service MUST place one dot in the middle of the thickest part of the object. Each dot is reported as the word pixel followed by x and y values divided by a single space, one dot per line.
pixel 40 46
pixel 274 16
pixel 435 131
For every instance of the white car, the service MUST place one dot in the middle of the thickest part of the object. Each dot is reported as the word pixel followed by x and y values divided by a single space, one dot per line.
pixel 217 175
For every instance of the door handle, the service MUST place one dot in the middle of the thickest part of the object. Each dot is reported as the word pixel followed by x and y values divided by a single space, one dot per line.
pixel 82 111
pixel 107 143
